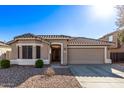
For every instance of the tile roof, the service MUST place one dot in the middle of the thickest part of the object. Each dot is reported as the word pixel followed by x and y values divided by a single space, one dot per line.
pixel 71 40
pixel 3 44
pixel 54 36
pixel 27 35
pixel 87 41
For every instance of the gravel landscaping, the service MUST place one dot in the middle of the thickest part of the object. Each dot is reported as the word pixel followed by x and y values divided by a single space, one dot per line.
pixel 30 77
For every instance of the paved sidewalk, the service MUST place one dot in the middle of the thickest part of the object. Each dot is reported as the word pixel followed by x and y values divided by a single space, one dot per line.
pixel 98 76
pixel 59 66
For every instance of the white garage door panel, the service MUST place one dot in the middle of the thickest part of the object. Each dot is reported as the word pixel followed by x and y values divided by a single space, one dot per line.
pixel 85 56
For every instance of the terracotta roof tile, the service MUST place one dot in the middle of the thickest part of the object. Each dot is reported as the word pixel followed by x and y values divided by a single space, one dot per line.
pixel 53 36
pixel 3 44
pixel 87 41
pixel 27 35
pixel 71 40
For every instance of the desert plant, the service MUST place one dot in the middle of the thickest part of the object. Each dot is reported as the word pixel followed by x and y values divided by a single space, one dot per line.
pixel 4 63
pixel 49 72
pixel 39 63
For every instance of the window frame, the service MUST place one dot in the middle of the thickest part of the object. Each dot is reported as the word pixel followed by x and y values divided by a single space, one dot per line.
pixel 18 52
pixel 111 38
pixel 27 52
pixel 38 52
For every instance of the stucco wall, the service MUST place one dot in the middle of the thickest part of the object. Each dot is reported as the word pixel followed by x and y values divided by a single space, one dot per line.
pixel 4 52
pixel 13 53
pixel 108 54
pixel 45 51
pixel 29 41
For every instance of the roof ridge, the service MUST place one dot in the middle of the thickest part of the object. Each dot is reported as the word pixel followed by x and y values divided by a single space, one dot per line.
pixel 23 35
pixel 52 35
pixel 87 38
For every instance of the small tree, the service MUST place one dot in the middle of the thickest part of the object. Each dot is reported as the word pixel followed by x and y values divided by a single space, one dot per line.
pixel 120 23
pixel 120 16
pixel 121 37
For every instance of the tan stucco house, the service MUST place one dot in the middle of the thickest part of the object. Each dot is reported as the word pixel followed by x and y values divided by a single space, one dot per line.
pixel 117 49
pixel 61 49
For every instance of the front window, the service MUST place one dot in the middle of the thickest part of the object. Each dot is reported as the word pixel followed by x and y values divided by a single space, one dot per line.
pixel 18 51
pixel 27 52
pixel 37 51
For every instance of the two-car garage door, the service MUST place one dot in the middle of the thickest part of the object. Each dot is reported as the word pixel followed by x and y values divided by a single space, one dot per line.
pixel 85 55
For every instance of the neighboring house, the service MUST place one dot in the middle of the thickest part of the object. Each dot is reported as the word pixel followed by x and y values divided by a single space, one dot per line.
pixel 117 50
pixel 4 48
pixel 61 49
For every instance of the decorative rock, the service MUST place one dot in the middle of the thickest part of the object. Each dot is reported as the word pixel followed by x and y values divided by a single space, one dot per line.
pixel 30 77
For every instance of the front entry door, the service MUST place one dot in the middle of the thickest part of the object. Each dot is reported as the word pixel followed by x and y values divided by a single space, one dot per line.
pixel 56 53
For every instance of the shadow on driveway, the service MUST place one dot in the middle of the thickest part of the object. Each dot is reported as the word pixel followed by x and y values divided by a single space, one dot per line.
pixel 104 70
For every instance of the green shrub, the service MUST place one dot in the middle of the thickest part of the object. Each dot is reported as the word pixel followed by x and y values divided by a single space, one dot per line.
pixel 4 63
pixel 39 63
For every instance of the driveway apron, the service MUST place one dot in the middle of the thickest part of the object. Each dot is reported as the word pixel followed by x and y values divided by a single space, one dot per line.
pixel 98 76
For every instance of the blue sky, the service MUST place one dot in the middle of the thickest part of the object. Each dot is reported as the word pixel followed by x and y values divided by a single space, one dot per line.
pixel 67 20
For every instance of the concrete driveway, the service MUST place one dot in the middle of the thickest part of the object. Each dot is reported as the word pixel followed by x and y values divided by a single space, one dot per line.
pixel 99 76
